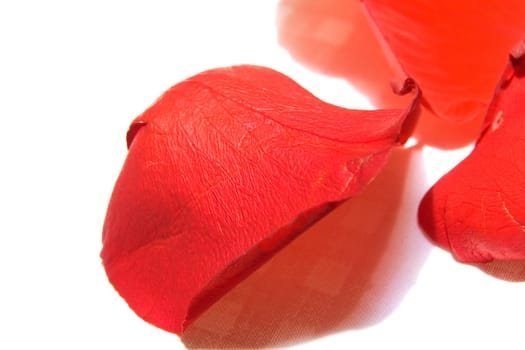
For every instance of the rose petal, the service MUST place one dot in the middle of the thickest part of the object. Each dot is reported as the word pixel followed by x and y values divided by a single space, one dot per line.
pixel 223 170
pixel 477 210
pixel 455 49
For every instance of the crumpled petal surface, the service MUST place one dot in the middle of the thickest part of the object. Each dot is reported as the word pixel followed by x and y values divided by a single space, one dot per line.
pixel 477 210
pixel 455 50
pixel 223 170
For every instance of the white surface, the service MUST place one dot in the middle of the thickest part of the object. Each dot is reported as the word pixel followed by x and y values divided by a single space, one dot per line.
pixel 72 77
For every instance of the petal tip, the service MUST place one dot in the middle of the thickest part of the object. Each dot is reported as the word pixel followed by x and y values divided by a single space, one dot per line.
pixel 431 222
pixel 133 130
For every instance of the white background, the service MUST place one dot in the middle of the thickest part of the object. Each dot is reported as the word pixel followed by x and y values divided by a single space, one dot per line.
pixel 72 77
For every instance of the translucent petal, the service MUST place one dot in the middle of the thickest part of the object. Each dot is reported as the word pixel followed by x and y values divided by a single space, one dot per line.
pixel 454 49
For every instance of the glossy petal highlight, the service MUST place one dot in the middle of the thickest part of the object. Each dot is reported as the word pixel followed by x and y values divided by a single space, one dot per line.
pixel 456 50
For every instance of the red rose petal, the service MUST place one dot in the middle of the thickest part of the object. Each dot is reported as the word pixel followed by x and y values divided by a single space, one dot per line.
pixel 223 170
pixel 337 38
pixel 454 49
pixel 477 211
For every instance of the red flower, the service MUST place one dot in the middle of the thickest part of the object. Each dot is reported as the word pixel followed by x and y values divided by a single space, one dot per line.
pixel 223 170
